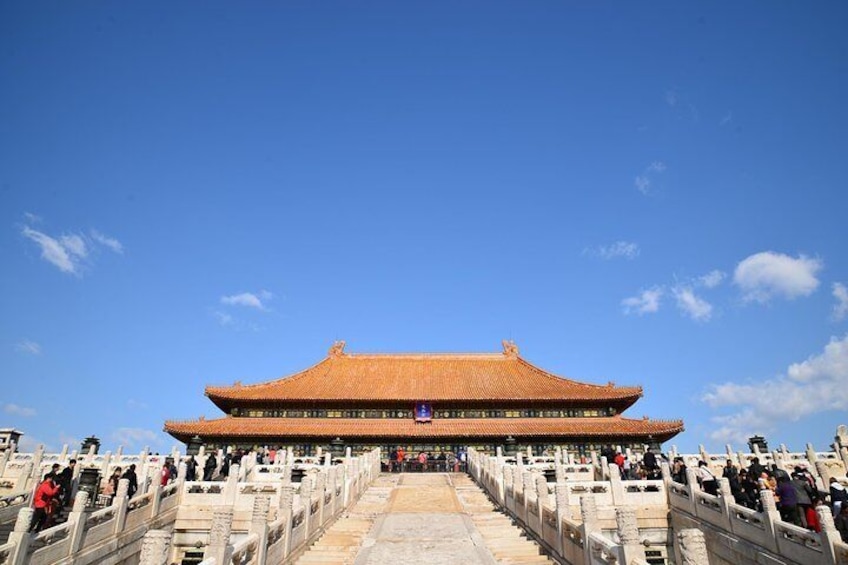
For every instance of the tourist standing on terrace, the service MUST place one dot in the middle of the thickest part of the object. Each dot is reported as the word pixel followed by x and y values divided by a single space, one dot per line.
pixel 788 505
pixel 838 496
pixel 66 477
pixel 43 502
pixel 707 479
pixel 649 460
pixel 112 485
pixel 191 469
pixel 132 478
pixel 209 466
pixel 841 522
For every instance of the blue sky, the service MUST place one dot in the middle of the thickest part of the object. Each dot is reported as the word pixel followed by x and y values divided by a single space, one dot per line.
pixel 202 193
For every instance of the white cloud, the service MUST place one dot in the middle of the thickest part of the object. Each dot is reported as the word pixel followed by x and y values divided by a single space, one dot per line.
pixel 765 275
pixel 28 346
pixel 223 318
pixel 32 218
pixel 29 444
pixel 671 97
pixel 726 119
pixel 248 299
pixel 68 251
pixel 107 241
pixel 52 250
pixel 646 302
pixel 644 181
pixel 810 387
pixel 712 279
pixel 695 307
pixel 626 249
pixel 136 404
pixel 75 245
pixel 23 411
pixel 840 309
pixel 130 437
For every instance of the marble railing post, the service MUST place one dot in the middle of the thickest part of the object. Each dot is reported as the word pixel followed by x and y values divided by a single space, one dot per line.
pixel 692 480
pixel 155 497
pixel 692 547
pixel 562 509
pixel 121 501
pixel 559 470
pixel 231 486
pixel 35 471
pixel 77 518
pixel 104 467
pixel 219 536
pixel 542 494
pixel 320 491
pixel 20 537
pixel 725 498
pixel 25 479
pixel 628 534
pixel 616 484
pixel 528 487
pixel 770 517
pixel 285 511
pixel 63 456
pixel 604 464
pixel 306 501
pixel 259 526
pixel 4 458
pixel 589 514
pixel 155 547
pixel 829 535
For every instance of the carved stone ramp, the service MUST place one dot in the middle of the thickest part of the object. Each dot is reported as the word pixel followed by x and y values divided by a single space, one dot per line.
pixel 439 518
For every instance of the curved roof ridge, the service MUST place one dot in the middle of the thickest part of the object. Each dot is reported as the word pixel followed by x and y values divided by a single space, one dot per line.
pixel 551 375
pixel 292 377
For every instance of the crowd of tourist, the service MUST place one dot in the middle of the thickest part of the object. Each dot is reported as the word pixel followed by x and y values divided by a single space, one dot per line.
pixel 399 461
pixel 795 493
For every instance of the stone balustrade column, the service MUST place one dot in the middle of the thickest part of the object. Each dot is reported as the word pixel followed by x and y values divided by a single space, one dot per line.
pixel 692 480
pixel 823 476
pixel 542 492
pixel 231 486
pixel 628 534
pixel 219 536
pixel 4 458
pixel 770 517
pixel 20 537
pixel 155 547
pixel 589 514
pixel 121 501
pixel 829 535
pixel 259 526
pixel 320 492
pixel 605 465
pixel 559 471
pixel 35 471
pixel 562 510
pixel 616 484
pixel 27 480
pixel 285 511
pixel 77 518
pixel 692 547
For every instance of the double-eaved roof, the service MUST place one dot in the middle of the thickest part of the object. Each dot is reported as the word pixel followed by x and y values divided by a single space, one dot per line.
pixel 468 378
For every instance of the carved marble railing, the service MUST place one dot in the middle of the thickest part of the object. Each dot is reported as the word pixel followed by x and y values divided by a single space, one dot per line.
pixel 523 492
pixel 260 533
pixel 764 532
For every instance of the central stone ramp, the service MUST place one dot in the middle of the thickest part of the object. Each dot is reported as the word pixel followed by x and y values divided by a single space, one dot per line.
pixel 439 518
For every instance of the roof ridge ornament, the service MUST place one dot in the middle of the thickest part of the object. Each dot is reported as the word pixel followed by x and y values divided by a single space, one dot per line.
pixel 337 350
pixel 510 349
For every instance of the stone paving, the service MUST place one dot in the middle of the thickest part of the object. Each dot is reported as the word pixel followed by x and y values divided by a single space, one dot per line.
pixel 440 518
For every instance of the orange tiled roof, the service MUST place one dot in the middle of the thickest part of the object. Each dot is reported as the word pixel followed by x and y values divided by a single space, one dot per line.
pixel 279 428
pixel 433 377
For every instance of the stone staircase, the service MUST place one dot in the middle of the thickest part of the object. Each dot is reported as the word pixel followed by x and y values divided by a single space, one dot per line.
pixel 506 542
pixel 342 541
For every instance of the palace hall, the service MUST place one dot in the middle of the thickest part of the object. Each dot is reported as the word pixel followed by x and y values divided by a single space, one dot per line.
pixel 434 402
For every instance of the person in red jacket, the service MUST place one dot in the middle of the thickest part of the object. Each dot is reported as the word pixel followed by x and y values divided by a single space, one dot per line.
pixel 43 502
